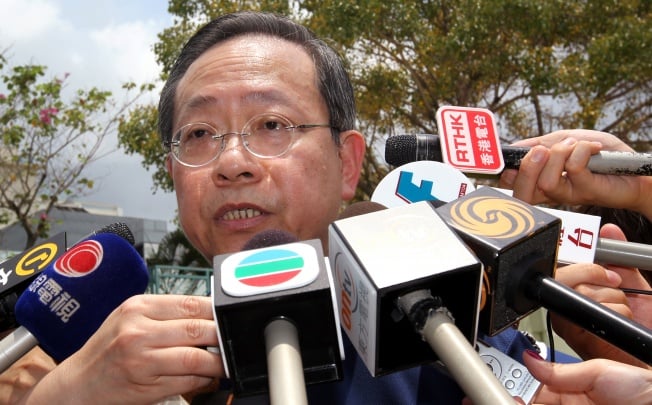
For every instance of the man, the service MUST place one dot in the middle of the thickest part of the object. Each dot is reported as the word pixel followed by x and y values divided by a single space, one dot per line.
pixel 259 119
pixel 258 116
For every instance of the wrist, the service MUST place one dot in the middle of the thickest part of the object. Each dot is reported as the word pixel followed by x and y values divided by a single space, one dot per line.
pixel 59 385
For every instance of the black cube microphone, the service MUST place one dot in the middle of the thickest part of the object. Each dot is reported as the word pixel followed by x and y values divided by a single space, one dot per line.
pixel 517 244
pixel 505 234
pixel 253 289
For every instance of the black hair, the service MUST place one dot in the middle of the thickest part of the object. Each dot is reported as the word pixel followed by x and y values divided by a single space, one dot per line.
pixel 333 81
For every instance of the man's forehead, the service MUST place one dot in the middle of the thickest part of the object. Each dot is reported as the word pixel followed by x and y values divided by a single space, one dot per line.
pixel 250 70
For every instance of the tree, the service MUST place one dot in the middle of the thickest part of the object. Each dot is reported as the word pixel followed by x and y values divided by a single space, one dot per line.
pixel 174 249
pixel 46 143
pixel 539 66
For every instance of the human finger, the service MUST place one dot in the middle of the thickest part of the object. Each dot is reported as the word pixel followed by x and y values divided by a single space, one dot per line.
pixel 576 274
pixel 525 183
pixel 166 307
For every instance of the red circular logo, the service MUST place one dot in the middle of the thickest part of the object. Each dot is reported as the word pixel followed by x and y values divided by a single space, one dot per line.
pixel 80 260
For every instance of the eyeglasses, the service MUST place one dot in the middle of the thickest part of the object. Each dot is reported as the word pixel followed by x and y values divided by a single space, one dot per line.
pixel 266 136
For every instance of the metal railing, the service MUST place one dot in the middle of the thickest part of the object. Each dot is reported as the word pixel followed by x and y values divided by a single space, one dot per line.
pixel 165 279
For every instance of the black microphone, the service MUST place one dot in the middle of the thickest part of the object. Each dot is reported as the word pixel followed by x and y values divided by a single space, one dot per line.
pixel 386 269
pixel 402 149
pixel 517 244
pixel 17 272
pixel 69 300
pixel 275 311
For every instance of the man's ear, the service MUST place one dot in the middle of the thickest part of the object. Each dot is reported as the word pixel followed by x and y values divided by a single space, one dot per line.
pixel 352 150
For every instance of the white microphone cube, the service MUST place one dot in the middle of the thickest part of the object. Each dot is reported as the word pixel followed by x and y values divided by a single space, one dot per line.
pixel 378 256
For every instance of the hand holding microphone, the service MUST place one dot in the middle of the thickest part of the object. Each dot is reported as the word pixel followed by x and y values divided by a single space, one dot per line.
pixel 517 243
pixel 555 171
pixel 150 348
pixel 402 149
pixel 604 285
pixel 68 301
pixel 276 317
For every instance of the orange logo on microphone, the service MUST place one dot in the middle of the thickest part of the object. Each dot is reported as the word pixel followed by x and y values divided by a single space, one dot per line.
pixel 492 217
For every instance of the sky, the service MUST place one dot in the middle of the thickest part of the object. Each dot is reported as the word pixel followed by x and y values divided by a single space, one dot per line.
pixel 99 43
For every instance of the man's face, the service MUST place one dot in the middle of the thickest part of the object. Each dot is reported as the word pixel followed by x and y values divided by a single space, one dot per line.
pixel 229 200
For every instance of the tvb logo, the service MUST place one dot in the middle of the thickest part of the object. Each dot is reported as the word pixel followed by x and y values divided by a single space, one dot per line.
pixel 269 269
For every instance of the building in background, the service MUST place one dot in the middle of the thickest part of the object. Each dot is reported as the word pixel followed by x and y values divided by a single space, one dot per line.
pixel 78 220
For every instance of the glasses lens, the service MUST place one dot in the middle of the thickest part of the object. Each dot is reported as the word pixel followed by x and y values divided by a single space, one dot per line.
pixel 268 135
pixel 196 144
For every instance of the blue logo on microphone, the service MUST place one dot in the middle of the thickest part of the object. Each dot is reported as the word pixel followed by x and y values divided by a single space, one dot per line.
pixel 410 192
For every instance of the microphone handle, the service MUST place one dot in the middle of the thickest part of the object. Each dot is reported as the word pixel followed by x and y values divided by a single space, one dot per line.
pixel 462 361
pixel 628 254
pixel 605 162
pixel 284 366
pixel 14 346
pixel 428 147
pixel 598 319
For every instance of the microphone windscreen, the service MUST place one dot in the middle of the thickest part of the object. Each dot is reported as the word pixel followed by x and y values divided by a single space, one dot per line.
pixel 71 298
pixel 270 237
pixel 399 149
pixel 361 208
pixel 120 229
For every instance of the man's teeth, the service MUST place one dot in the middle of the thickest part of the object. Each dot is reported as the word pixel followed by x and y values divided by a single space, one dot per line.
pixel 241 214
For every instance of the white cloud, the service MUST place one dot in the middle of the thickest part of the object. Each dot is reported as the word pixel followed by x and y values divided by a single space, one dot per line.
pixel 127 48
pixel 22 20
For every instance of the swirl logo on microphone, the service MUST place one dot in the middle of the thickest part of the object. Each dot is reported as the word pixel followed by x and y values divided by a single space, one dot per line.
pixel 269 269
pixel 492 217
pixel 81 260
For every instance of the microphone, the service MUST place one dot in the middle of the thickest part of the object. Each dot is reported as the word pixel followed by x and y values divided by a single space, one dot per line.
pixel 402 149
pixel 580 242
pixel 19 270
pixel 421 181
pixel 70 299
pixel 386 269
pixel 517 243
pixel 276 318
pixel 621 253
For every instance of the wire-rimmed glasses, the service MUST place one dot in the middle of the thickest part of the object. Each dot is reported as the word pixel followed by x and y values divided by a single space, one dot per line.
pixel 267 135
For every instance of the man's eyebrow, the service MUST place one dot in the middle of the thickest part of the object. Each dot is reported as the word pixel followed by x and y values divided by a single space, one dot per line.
pixel 199 102
pixel 257 97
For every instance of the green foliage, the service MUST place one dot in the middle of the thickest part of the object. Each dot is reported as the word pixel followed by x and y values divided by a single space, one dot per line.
pixel 137 134
pixel 175 249
pixel 46 142
pixel 509 56
pixel 538 65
